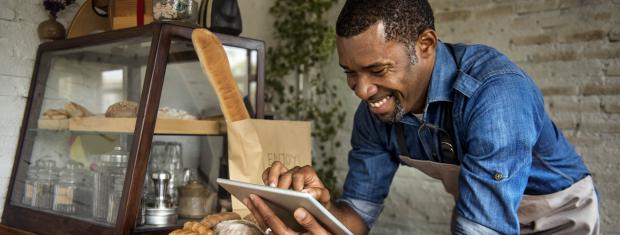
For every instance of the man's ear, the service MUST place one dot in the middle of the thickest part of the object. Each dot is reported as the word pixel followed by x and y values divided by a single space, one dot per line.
pixel 427 42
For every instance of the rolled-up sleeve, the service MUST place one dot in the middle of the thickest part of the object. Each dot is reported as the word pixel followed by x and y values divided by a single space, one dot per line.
pixel 371 167
pixel 502 121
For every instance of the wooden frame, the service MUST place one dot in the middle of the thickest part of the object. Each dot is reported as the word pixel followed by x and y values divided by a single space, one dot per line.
pixel 161 34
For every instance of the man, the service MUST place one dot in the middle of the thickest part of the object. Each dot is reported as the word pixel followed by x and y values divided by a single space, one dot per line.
pixel 463 114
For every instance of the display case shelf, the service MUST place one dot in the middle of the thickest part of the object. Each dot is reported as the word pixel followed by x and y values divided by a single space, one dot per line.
pixel 127 125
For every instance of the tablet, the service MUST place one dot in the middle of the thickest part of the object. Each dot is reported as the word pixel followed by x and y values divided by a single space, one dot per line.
pixel 283 202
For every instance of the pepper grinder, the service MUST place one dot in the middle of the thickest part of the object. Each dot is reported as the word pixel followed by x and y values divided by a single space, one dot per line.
pixel 162 211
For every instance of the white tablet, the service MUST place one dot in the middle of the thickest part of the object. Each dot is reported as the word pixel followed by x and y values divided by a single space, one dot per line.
pixel 283 202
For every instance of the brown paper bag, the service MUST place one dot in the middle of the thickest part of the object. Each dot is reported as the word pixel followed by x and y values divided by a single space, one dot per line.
pixel 253 144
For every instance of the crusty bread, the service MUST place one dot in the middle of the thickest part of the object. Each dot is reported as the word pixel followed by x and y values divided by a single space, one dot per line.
pixel 122 109
pixel 214 63
pixel 76 110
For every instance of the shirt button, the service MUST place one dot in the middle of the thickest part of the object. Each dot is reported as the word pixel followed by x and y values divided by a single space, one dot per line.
pixel 498 176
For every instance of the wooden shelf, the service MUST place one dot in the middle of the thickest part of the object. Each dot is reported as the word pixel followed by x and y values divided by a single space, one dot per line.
pixel 127 125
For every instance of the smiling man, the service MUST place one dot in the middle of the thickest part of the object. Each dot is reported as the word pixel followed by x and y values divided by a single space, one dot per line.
pixel 463 114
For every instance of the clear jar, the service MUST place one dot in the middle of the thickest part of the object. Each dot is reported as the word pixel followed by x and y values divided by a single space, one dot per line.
pixel 44 185
pixel 114 199
pixel 174 165
pixel 109 167
pixel 31 177
pixel 179 10
pixel 68 192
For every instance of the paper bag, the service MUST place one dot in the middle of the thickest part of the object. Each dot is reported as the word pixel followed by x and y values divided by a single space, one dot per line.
pixel 253 144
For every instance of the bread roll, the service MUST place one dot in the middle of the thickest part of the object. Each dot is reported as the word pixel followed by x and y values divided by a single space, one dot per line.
pixel 76 110
pixel 214 63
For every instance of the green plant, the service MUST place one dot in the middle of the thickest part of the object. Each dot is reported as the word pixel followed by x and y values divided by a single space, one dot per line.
pixel 296 87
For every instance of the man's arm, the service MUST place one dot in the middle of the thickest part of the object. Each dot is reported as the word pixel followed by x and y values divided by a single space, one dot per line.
pixel 502 121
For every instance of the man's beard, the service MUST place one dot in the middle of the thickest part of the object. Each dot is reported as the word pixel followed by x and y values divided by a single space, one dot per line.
pixel 395 116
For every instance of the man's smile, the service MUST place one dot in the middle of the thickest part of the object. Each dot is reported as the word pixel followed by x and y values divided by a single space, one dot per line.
pixel 382 105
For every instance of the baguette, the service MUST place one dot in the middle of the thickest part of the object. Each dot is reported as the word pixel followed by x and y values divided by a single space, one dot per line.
pixel 214 63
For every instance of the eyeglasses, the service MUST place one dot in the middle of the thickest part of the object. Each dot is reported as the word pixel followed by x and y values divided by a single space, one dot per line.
pixel 437 144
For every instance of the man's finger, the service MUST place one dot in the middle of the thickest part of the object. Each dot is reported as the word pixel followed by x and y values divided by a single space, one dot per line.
pixel 308 221
pixel 277 168
pixel 306 177
pixel 320 194
pixel 259 218
pixel 270 218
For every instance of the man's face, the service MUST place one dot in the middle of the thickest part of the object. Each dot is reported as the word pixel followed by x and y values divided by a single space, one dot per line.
pixel 380 72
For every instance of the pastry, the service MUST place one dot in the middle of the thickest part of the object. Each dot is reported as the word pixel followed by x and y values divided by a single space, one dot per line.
pixel 171 113
pixel 122 109
pixel 214 63
pixel 56 114
pixel 76 110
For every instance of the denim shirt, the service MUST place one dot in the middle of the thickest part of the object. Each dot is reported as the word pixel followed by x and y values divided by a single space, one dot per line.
pixel 505 141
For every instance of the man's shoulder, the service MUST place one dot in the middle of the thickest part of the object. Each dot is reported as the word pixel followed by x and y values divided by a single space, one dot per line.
pixel 482 62
pixel 479 64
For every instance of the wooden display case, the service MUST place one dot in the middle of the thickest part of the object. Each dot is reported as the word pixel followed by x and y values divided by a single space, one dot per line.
pixel 154 66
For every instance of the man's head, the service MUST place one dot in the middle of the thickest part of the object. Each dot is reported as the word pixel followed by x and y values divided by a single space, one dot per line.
pixel 387 48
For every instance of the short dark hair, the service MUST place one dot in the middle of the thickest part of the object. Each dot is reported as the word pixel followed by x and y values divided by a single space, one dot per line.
pixel 403 20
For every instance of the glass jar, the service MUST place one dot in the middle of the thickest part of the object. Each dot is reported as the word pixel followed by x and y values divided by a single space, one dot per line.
pixel 110 170
pixel 179 10
pixel 44 185
pixel 174 165
pixel 31 177
pixel 114 199
pixel 68 192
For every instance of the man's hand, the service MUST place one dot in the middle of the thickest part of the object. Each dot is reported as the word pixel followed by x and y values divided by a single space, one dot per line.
pixel 303 179
pixel 267 219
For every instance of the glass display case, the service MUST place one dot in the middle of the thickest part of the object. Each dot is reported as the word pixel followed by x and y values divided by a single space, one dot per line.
pixel 116 124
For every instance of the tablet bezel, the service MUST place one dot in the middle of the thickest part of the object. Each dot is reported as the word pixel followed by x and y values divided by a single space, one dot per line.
pixel 284 202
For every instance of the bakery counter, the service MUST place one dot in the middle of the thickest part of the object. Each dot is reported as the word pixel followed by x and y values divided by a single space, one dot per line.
pixel 163 126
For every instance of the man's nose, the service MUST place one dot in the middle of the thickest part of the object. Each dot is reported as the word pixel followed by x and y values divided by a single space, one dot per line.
pixel 364 88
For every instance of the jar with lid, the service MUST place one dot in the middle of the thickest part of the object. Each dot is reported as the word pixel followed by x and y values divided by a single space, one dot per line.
pixel 44 185
pixel 31 177
pixel 195 200
pixel 69 191
pixel 176 10
pixel 110 170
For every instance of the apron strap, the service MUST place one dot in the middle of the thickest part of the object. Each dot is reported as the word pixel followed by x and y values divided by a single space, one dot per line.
pixel 400 137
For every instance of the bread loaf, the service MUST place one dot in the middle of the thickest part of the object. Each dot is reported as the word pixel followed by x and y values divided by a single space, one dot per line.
pixel 121 109
pixel 214 63
pixel 214 219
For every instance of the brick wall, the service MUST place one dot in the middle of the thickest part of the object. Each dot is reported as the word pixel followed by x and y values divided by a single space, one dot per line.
pixel 571 48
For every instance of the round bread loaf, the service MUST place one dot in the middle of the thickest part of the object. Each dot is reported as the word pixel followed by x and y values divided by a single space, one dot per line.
pixel 122 109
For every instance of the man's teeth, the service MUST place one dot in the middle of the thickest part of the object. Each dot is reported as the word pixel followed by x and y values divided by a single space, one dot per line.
pixel 379 103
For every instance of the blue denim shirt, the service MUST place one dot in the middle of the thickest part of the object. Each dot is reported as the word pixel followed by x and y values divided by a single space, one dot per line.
pixel 500 128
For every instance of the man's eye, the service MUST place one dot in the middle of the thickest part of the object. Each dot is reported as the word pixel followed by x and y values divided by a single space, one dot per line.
pixel 381 71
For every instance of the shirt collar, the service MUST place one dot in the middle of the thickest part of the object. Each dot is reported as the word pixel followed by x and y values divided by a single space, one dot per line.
pixel 444 75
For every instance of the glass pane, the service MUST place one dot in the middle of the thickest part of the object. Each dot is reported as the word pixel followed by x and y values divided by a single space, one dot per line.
pixel 189 143
pixel 75 150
